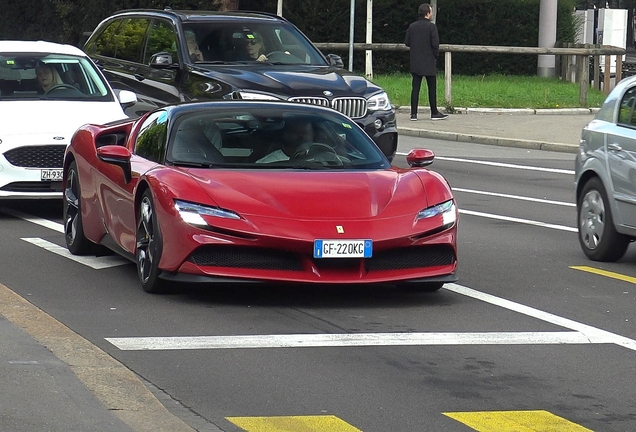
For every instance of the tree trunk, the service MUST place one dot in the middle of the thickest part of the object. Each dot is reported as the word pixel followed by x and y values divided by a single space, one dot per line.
pixel 228 5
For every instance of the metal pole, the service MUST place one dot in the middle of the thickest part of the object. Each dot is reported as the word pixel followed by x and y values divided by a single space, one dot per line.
pixel 279 9
pixel 351 35
pixel 369 53
pixel 547 36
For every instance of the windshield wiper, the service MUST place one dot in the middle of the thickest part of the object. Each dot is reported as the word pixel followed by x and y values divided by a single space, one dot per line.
pixel 192 164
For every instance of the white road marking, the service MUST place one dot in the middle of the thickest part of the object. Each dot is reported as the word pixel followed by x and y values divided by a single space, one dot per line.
pixel 348 339
pixel 91 261
pixel 580 334
pixel 518 220
pixel 36 220
pixel 502 165
pixel 517 197
pixel 594 334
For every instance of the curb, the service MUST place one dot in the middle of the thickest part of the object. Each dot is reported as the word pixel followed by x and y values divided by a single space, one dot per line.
pixel 526 111
pixel 488 140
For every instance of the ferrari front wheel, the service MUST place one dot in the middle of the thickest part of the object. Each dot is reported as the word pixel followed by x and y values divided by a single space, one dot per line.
pixel 76 241
pixel 149 245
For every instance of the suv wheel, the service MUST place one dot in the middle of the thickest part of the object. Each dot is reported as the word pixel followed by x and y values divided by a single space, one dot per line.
pixel 597 234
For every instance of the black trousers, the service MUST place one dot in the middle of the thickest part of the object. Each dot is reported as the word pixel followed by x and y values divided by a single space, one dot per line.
pixel 431 83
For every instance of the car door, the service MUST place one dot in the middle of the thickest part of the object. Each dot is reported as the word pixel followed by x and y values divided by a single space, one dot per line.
pixel 117 195
pixel 621 157
pixel 117 49
pixel 159 85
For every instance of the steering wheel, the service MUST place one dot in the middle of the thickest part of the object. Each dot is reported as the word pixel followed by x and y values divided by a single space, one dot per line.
pixel 319 152
pixel 60 86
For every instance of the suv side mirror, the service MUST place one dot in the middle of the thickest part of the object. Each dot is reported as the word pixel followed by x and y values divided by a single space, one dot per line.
pixel 126 98
pixel 335 60
pixel 161 60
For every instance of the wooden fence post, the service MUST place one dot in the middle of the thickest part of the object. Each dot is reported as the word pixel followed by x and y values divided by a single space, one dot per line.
pixel 608 73
pixel 597 72
pixel 583 64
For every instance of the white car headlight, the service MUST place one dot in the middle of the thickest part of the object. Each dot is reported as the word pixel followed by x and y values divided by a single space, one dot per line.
pixel 257 96
pixel 192 213
pixel 446 209
pixel 378 102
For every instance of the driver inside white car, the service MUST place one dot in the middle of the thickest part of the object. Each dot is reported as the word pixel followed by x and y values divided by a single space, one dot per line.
pixel 47 77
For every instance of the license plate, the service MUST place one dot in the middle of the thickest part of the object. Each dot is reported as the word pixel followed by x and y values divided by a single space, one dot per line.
pixel 343 248
pixel 51 174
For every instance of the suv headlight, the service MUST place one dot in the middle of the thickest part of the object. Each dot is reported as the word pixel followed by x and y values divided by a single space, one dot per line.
pixel 257 96
pixel 378 102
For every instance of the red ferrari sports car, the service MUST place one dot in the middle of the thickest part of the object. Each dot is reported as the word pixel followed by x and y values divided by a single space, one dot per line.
pixel 257 191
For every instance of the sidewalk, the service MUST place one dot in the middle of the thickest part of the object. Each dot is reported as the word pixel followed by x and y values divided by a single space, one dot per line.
pixel 545 129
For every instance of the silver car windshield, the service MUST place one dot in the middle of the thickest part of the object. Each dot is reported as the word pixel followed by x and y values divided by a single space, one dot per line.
pixel 50 76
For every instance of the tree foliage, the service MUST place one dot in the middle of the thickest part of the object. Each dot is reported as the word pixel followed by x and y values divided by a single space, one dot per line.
pixel 475 22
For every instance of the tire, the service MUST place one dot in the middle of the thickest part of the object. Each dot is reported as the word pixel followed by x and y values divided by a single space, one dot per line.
pixel 149 245
pixel 76 241
pixel 597 233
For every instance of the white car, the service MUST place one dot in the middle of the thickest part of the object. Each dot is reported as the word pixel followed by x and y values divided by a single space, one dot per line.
pixel 47 91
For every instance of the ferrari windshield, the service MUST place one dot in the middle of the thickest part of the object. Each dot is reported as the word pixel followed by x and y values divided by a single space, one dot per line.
pixel 266 139
pixel 260 42
pixel 50 76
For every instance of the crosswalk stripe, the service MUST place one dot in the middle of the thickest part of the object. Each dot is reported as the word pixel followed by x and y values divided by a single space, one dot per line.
pixel 321 423
pixel 346 339
pixel 515 421
pixel 90 261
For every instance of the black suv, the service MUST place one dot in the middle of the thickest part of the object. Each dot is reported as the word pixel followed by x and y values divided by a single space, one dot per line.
pixel 168 56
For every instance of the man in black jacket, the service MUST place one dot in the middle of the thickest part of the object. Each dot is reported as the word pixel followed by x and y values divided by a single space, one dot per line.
pixel 423 40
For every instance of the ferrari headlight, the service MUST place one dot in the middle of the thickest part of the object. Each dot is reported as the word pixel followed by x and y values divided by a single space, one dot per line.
pixel 379 102
pixel 193 213
pixel 257 96
pixel 446 209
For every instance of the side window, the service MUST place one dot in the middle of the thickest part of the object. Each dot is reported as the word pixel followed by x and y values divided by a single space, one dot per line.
pixel 627 115
pixel 129 39
pixel 151 141
pixel 161 38
pixel 103 44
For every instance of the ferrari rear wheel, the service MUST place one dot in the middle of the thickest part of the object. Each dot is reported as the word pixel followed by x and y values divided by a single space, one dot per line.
pixel 149 245
pixel 76 241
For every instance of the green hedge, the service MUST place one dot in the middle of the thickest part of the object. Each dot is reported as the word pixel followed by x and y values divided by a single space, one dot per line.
pixel 461 22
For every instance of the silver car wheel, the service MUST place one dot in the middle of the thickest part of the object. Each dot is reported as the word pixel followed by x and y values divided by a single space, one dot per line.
pixel 592 219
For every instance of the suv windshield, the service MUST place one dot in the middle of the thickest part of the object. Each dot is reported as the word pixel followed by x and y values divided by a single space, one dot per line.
pixel 49 76
pixel 227 42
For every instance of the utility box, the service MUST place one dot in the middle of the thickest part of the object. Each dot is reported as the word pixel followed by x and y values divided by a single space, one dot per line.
pixel 603 27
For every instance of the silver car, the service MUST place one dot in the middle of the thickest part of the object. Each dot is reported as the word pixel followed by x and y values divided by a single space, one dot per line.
pixel 605 176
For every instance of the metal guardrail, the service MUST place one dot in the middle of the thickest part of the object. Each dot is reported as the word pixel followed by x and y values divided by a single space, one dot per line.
pixel 581 55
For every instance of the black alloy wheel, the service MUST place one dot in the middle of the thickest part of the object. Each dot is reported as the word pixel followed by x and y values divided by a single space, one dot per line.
pixel 149 245
pixel 76 241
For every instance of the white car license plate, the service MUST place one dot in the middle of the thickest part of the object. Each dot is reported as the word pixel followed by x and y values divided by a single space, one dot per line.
pixel 51 174
pixel 343 248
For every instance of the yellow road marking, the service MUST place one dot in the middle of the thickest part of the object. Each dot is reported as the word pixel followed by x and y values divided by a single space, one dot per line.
pixel 516 421
pixel 606 273
pixel 322 423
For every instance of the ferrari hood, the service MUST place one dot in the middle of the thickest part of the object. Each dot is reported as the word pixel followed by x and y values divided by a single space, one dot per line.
pixel 295 80
pixel 54 118
pixel 317 195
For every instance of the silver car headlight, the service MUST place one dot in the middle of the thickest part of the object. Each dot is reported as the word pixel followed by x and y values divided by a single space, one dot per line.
pixel 447 209
pixel 257 96
pixel 378 102
pixel 193 213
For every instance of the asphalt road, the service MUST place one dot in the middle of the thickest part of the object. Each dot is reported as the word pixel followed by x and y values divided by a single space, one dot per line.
pixel 522 330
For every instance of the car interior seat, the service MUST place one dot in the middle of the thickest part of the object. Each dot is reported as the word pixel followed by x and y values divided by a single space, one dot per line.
pixel 197 142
